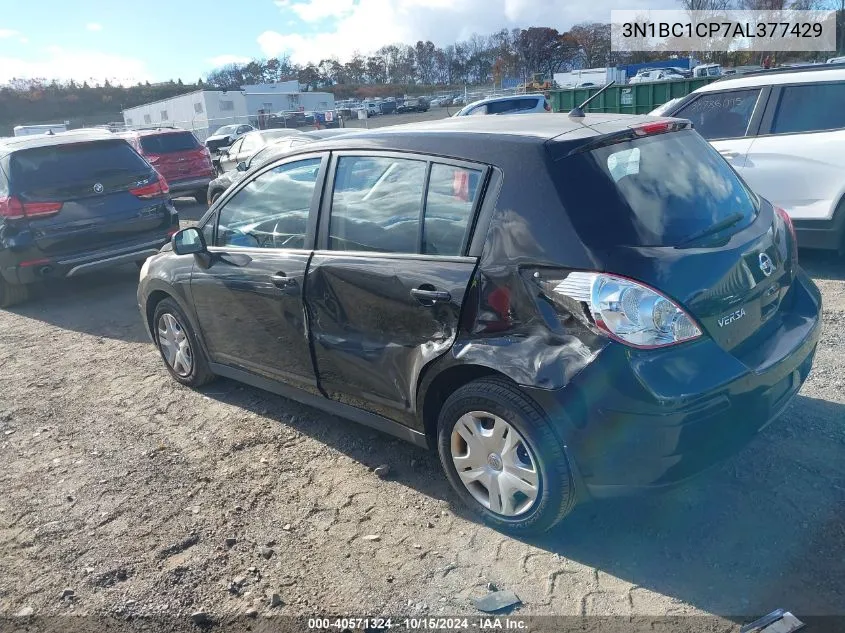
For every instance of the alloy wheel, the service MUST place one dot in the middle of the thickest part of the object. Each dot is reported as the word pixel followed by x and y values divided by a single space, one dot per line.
pixel 495 463
pixel 174 345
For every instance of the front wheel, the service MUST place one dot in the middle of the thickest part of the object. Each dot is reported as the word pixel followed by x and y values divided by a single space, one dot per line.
pixel 503 459
pixel 12 294
pixel 178 345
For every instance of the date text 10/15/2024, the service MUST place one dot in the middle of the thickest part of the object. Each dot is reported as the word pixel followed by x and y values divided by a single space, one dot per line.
pixel 418 624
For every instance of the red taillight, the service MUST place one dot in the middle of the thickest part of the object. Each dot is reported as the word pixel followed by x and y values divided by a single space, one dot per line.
pixel 791 228
pixel 152 190
pixel 658 127
pixel 13 209
pixel 34 262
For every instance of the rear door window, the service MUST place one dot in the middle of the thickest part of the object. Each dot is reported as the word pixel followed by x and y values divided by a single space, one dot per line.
pixel 810 108
pixel 169 143
pixel 654 191
pixel 75 166
pixel 721 114
pixel 376 204
pixel 452 194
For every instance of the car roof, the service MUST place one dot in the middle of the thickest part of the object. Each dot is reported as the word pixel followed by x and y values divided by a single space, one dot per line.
pixel 15 143
pixel 799 74
pixel 481 139
pixel 151 131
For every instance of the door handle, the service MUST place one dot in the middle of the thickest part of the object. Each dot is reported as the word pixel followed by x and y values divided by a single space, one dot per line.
pixel 280 280
pixel 425 295
pixel 729 153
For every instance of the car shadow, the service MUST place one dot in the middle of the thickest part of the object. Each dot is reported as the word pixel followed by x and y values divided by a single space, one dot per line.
pixel 409 465
pixel 101 304
pixel 762 531
pixel 827 265
pixel 765 530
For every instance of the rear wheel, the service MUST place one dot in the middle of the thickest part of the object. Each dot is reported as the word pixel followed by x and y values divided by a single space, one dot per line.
pixel 215 196
pixel 503 459
pixel 12 294
pixel 178 345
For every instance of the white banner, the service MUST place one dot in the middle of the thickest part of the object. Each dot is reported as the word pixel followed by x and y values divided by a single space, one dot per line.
pixel 701 31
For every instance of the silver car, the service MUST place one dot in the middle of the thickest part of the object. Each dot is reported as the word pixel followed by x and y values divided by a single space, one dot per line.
pixel 513 104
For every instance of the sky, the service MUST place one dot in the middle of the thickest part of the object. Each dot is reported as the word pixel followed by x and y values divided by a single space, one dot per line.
pixel 158 40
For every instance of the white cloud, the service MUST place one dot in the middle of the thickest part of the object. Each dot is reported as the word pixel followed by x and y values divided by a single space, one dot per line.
pixel 23 40
pixel 313 10
pixel 225 60
pixel 7 33
pixel 94 26
pixel 367 25
pixel 93 67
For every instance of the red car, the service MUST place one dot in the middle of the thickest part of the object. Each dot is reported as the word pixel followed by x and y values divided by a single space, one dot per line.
pixel 179 157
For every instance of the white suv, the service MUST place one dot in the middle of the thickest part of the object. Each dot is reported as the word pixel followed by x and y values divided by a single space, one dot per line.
pixel 784 131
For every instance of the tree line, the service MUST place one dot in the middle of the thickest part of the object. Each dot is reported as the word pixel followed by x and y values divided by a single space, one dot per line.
pixel 396 69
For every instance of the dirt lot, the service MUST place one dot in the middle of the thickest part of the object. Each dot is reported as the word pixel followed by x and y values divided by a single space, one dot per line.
pixel 123 487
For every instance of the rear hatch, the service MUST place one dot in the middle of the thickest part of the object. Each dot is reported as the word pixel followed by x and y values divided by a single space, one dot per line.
pixel 79 196
pixel 176 155
pixel 662 207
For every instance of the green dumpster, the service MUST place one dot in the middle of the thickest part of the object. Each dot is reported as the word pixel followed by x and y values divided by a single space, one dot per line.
pixel 627 99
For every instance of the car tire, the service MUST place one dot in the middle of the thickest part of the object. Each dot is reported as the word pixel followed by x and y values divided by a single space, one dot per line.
pixel 535 445
pixel 215 196
pixel 167 337
pixel 12 294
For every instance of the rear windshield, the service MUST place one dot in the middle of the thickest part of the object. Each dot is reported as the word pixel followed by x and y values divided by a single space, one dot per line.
pixel 50 167
pixel 653 191
pixel 168 143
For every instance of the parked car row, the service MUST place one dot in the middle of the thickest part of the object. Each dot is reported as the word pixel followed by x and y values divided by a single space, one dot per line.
pixel 508 291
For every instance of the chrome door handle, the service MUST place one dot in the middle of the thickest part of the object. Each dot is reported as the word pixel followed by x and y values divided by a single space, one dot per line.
pixel 421 294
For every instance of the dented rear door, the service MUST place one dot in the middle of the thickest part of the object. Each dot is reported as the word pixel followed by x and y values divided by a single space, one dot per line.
pixel 385 290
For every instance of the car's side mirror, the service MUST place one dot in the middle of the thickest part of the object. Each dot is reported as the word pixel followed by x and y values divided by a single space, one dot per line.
pixel 188 241
pixel 242 166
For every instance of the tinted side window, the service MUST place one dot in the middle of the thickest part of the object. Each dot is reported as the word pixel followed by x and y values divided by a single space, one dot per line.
pixel 721 114
pixel 235 147
pixel 272 210
pixel 452 192
pixel 500 107
pixel 810 108
pixel 376 204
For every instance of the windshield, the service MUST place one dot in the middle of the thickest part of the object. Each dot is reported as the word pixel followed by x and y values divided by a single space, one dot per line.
pixel 226 130
pixel 654 191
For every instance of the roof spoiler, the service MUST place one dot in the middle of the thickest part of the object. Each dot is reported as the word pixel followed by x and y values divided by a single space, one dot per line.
pixel 578 111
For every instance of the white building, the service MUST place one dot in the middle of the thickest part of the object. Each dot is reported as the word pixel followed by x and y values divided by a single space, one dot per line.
pixel 203 111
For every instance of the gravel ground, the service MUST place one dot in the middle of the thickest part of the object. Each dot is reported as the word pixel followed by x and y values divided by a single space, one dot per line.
pixel 142 497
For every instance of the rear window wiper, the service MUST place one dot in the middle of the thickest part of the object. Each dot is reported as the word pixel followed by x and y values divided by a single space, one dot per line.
pixel 721 225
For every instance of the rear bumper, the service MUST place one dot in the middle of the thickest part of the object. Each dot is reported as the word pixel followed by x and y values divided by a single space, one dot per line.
pixel 190 185
pixel 71 266
pixel 637 421
pixel 822 234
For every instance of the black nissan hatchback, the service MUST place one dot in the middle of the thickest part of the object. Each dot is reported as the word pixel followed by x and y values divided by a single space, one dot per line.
pixel 564 307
